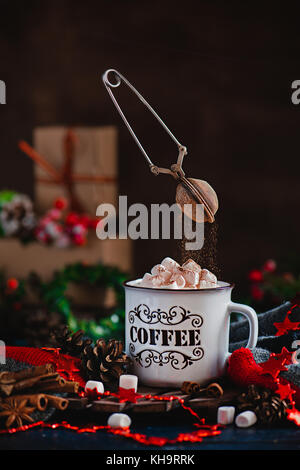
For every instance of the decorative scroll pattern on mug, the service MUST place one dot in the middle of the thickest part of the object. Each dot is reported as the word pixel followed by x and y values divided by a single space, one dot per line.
pixel 176 359
pixel 174 316
pixel 165 337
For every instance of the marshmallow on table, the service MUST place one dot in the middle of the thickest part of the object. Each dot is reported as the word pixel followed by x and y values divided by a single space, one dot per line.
pixel 225 414
pixel 94 385
pixel 128 381
pixel 119 420
pixel 245 419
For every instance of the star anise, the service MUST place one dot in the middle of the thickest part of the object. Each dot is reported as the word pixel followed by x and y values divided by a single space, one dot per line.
pixel 16 412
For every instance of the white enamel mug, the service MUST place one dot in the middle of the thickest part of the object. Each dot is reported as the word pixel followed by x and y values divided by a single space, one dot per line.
pixel 175 335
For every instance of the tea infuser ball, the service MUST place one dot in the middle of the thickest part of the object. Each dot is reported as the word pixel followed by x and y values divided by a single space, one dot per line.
pixel 191 191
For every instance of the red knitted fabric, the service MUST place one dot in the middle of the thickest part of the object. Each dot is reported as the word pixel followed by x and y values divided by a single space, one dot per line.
pixel 243 371
pixel 37 356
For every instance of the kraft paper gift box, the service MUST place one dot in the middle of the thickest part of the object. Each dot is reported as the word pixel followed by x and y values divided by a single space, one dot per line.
pixel 95 154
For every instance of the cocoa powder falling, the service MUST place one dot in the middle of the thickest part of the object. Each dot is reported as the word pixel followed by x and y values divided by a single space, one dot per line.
pixel 206 257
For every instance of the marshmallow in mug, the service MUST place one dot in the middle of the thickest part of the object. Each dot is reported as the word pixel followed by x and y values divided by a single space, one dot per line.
pixel 169 274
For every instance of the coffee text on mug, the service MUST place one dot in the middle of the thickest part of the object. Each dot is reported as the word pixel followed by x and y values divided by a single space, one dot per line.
pixel 158 337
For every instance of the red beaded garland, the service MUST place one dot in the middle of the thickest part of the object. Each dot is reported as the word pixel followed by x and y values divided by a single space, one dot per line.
pixel 204 430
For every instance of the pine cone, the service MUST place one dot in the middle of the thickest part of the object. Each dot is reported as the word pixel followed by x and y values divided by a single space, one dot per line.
pixel 70 343
pixel 267 406
pixel 105 361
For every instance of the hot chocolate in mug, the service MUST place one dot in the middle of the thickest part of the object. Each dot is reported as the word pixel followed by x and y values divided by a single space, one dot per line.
pixel 183 334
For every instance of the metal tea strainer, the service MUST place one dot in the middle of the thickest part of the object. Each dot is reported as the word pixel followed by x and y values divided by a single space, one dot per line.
pixel 189 191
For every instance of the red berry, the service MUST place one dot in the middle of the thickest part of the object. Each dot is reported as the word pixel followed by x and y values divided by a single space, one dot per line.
pixel 269 266
pixel 72 218
pixel 255 275
pixel 54 214
pixel 60 203
pixel 12 283
pixel 257 293
pixel 79 240
pixel 85 220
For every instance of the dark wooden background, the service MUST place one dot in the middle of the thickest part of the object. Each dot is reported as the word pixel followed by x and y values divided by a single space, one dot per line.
pixel 219 73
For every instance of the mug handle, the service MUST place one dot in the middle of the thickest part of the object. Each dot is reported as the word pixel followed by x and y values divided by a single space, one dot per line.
pixel 251 316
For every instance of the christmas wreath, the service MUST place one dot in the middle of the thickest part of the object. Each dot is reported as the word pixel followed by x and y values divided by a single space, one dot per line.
pixel 53 298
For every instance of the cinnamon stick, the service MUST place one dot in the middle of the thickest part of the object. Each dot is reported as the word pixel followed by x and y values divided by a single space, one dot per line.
pixel 58 403
pixel 65 387
pixel 51 378
pixel 7 377
pixel 70 387
pixel 38 383
pixel 39 400
pixel 58 386
pixel 51 383
pixel 37 379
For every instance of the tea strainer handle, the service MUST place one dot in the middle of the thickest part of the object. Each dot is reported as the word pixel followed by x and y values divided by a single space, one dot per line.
pixel 176 169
